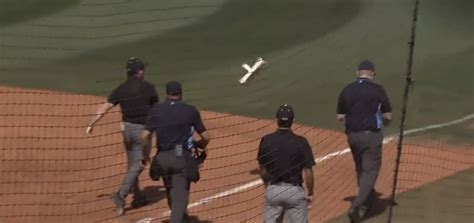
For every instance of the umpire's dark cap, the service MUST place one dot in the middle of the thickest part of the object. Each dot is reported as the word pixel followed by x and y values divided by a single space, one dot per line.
pixel 366 65
pixel 285 113
pixel 135 64
pixel 173 88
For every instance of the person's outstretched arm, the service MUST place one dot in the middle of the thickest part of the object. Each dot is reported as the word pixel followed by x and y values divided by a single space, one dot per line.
pixel 99 114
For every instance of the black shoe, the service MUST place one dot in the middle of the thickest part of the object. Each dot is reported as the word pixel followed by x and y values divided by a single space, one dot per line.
pixel 369 209
pixel 139 200
pixel 370 202
pixel 357 214
pixel 354 215
pixel 119 202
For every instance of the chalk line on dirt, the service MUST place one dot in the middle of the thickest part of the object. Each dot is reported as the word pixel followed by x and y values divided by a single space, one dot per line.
pixel 329 156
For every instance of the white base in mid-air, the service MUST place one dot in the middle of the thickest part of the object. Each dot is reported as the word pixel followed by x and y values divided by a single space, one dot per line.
pixel 250 70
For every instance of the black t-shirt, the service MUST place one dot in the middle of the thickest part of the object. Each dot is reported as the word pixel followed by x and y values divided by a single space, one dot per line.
pixel 135 97
pixel 284 155
pixel 174 122
pixel 363 103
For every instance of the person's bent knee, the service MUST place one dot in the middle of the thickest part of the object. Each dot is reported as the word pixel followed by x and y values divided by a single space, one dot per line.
pixel 136 166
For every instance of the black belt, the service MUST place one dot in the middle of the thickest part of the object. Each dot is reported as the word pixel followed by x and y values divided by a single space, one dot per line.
pixel 363 131
pixel 138 121
pixel 171 148
pixel 160 149
pixel 290 183
pixel 135 123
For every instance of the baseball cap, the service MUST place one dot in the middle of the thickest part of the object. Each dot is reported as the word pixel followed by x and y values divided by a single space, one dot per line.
pixel 366 65
pixel 173 87
pixel 134 64
pixel 285 113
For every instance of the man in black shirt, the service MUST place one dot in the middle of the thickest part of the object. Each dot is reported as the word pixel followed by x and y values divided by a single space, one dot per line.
pixel 135 97
pixel 283 157
pixel 364 107
pixel 174 123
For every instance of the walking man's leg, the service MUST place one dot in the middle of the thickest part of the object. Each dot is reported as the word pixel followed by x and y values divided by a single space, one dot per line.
pixel 273 206
pixel 167 184
pixel 357 150
pixel 180 197
pixel 374 157
pixel 139 197
pixel 297 210
pixel 371 163
pixel 119 197
pixel 357 156
pixel 135 158
pixel 135 167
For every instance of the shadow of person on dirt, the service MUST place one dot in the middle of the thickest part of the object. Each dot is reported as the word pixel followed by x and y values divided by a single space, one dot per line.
pixel 379 205
pixel 255 171
pixel 153 194
pixel 191 219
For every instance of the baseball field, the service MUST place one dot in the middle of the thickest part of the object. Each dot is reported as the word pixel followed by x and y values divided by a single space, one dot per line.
pixel 59 58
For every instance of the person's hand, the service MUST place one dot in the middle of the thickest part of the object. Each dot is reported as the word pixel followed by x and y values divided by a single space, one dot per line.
pixel 309 198
pixel 89 130
pixel 201 150
pixel 201 155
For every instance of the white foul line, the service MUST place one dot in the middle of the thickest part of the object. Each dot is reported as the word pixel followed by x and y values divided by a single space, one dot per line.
pixel 437 126
pixel 329 156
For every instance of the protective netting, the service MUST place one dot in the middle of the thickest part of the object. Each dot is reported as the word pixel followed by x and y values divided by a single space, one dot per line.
pixel 443 168
pixel 53 171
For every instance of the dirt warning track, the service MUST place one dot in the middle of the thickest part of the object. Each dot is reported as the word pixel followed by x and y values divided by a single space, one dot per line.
pixel 51 171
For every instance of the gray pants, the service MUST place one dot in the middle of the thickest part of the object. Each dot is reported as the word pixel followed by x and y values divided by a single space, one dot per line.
pixel 366 150
pixel 176 184
pixel 136 153
pixel 286 200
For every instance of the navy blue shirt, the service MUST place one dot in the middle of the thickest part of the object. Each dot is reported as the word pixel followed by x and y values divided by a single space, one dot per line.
pixel 363 103
pixel 284 155
pixel 174 123
pixel 135 97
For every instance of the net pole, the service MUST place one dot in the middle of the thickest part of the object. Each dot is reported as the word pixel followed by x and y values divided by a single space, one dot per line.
pixel 408 84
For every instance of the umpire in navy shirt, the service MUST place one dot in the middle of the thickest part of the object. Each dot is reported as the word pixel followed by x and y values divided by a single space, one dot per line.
pixel 283 158
pixel 135 97
pixel 174 123
pixel 365 108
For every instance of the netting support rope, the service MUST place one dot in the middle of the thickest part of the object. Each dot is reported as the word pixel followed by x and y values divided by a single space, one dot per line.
pixel 408 84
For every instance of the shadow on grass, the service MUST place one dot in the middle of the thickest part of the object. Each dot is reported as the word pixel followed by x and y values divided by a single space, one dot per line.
pixel 378 205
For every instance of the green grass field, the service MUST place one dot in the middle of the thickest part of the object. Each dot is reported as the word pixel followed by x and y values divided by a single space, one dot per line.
pixel 460 134
pixel 12 12
pixel 312 48
pixel 440 208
